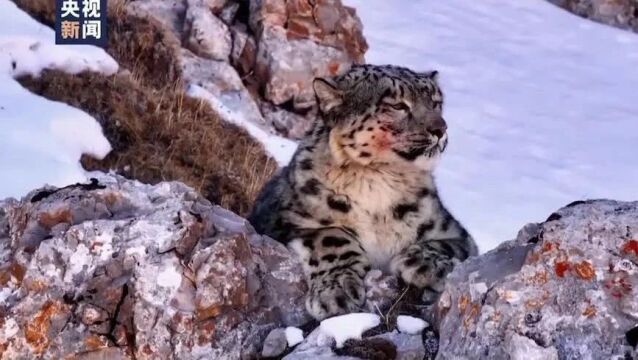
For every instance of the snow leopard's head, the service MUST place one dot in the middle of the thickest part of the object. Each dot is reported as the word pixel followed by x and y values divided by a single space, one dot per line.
pixel 383 115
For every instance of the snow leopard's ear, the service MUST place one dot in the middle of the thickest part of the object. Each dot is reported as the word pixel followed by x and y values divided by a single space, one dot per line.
pixel 328 94
pixel 434 74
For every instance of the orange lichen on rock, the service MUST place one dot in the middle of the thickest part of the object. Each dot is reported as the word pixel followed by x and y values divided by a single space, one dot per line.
pixel 37 331
pixel 35 285
pixel 206 332
pixel 589 311
pixel 94 342
pixel 50 219
pixel 561 267
pixel 474 311
pixel 208 312
pixel 549 246
pixel 534 303
pixel 584 270
pixel 630 246
pixel 15 271
pixel 463 302
pixel 539 278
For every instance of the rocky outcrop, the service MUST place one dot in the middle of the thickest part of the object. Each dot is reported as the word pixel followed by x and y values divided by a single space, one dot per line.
pixel 260 56
pixel 564 289
pixel 619 13
pixel 117 269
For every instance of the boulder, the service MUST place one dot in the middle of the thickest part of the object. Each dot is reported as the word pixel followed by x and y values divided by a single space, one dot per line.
pixel 114 268
pixel 564 289
pixel 619 13
pixel 274 47
pixel 297 41
pixel 118 269
pixel 206 34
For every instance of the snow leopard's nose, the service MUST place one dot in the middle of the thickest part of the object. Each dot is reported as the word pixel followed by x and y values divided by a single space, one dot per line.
pixel 437 127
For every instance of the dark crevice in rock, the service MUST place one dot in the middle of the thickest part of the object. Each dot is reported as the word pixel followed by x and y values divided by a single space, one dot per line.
pixel 575 203
pixel 553 217
pixel 369 349
pixel 430 339
pixel 43 194
pixel 632 336
pixel 116 313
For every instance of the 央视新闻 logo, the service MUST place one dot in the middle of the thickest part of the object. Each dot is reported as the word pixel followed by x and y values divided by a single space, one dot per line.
pixel 80 22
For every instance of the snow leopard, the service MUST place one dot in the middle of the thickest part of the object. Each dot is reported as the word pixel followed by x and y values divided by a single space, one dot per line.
pixel 359 192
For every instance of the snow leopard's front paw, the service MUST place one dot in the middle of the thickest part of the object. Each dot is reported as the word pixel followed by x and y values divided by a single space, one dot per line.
pixel 423 267
pixel 335 294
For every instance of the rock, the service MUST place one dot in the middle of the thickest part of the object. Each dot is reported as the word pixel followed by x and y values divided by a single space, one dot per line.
pixel 215 6
pixel 206 35
pixel 408 347
pixel 222 81
pixel 244 50
pixel 287 67
pixel 118 269
pixel 169 13
pixel 299 40
pixel 564 289
pixel 287 123
pixel 274 47
pixel 275 343
pixel 619 13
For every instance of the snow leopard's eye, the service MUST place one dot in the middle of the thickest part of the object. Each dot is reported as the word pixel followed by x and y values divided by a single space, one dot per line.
pixel 400 106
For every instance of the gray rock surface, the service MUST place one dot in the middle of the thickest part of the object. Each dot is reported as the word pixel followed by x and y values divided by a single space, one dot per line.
pixel 117 269
pixel 206 34
pixel 564 289
pixel 275 343
pixel 619 13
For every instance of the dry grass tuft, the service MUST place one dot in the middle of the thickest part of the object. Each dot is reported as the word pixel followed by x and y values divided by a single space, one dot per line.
pixel 157 132
pixel 162 135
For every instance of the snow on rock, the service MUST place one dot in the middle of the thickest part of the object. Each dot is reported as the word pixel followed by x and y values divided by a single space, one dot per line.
pixel 349 326
pixel 541 104
pixel 278 147
pixel 410 324
pixel 294 336
pixel 565 289
pixel 82 271
pixel 41 141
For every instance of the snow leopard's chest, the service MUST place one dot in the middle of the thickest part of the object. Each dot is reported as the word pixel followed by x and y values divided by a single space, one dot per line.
pixel 385 211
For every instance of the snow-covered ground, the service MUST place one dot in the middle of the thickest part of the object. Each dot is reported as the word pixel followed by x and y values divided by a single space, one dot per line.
pixel 542 105
pixel 40 140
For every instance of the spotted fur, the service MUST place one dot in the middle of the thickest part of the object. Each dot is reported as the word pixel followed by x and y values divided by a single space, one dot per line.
pixel 359 192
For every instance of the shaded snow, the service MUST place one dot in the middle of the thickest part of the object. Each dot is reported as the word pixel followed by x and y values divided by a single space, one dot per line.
pixel 541 104
pixel 293 336
pixel 281 149
pixel 349 326
pixel 40 140
pixel 169 277
pixel 410 325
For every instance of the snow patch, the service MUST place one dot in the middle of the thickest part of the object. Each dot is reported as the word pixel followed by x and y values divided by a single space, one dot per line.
pixel 41 141
pixel 294 336
pixel 10 328
pixel 410 325
pixel 77 262
pixel 349 326
pixel 281 149
pixel 169 277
